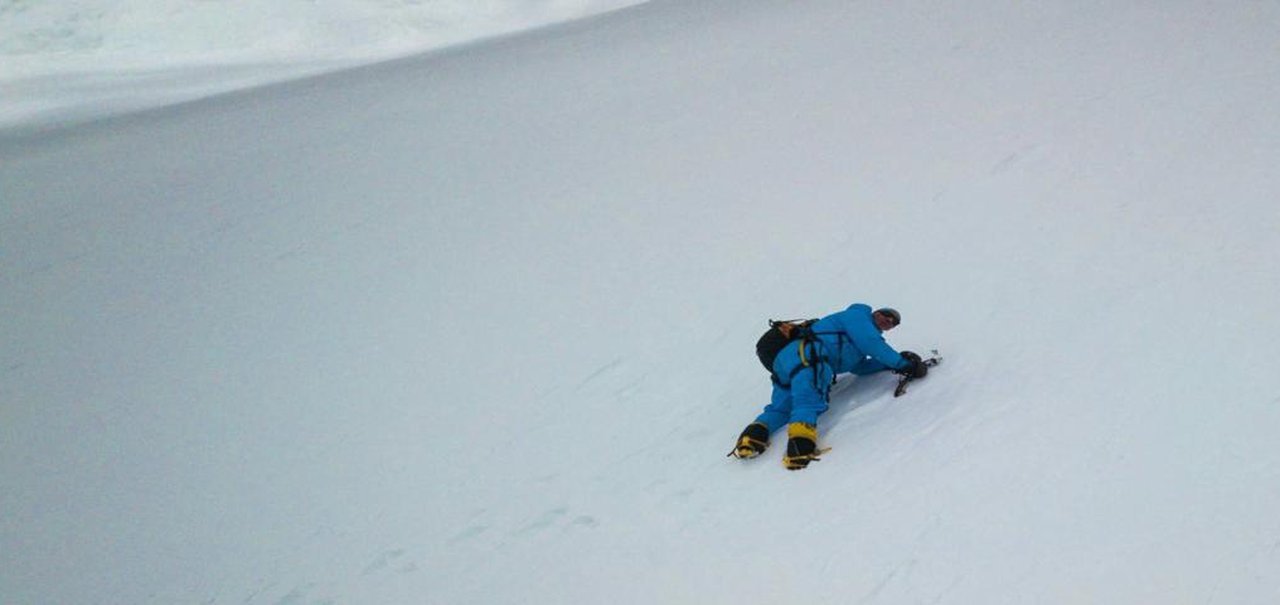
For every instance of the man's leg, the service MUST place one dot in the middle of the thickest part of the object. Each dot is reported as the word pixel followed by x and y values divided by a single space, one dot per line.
pixel 809 391
pixel 778 412
pixel 754 439
pixel 808 401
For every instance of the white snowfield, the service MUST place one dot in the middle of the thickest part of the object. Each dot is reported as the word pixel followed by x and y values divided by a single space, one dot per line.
pixel 74 60
pixel 477 326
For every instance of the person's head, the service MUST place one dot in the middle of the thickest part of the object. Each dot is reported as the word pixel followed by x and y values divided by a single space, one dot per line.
pixel 886 318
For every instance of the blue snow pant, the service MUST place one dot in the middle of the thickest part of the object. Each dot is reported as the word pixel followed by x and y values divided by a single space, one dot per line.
pixel 799 392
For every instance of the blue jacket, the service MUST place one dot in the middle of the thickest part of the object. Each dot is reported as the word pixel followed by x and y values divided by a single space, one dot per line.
pixel 850 342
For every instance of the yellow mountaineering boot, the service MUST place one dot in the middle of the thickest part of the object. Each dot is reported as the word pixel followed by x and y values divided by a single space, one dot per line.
pixel 802 445
pixel 752 442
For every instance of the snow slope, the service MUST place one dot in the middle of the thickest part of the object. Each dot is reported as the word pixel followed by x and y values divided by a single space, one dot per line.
pixel 74 60
pixel 477 326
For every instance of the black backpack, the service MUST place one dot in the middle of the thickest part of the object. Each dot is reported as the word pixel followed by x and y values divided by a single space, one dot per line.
pixel 778 335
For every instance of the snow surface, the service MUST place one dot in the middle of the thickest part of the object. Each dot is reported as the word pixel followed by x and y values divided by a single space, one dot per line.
pixel 74 60
pixel 477 326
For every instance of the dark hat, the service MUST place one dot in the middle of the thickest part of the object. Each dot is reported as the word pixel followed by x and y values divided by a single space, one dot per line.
pixel 892 313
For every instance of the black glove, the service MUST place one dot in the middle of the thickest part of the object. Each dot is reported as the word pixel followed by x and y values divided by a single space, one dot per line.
pixel 915 367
